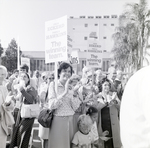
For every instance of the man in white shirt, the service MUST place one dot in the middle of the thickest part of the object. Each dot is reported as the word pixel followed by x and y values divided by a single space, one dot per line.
pixel 135 111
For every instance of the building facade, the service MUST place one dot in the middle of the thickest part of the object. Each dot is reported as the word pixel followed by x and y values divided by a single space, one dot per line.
pixel 82 31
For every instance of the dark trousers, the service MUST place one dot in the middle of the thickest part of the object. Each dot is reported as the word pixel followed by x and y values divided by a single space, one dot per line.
pixel 21 133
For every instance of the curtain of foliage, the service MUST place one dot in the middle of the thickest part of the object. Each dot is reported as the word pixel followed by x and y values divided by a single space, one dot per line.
pixel 1 52
pixel 10 58
pixel 131 37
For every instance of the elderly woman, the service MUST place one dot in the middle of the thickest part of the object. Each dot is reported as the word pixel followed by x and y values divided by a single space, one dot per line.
pixel 109 104
pixel 6 106
pixel 23 127
pixel 65 104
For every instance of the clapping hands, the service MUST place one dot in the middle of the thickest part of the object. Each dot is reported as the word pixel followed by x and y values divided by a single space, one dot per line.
pixel 104 134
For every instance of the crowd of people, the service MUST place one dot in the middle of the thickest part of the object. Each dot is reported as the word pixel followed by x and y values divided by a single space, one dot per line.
pixel 86 108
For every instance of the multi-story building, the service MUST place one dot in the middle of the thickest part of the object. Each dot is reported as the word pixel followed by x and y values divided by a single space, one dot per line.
pixel 83 31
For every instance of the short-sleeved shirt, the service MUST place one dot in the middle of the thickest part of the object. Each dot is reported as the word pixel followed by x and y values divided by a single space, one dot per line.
pixel 83 141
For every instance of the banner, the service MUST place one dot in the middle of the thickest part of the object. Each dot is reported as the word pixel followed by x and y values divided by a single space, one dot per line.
pixel 94 54
pixel 56 40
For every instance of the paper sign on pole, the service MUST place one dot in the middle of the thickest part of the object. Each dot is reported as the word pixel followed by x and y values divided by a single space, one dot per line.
pixel 25 61
pixel 94 54
pixel 74 58
pixel 56 40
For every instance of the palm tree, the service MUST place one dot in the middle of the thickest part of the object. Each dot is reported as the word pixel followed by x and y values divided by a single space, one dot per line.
pixel 134 29
pixel 125 41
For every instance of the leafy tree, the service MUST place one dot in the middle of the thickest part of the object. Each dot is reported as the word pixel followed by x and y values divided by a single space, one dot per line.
pixel 131 37
pixel 1 52
pixel 10 58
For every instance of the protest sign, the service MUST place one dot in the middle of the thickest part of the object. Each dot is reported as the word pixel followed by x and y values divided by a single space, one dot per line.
pixel 94 54
pixel 74 58
pixel 56 40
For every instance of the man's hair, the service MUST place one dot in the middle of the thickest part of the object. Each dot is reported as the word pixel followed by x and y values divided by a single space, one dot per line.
pixel 25 66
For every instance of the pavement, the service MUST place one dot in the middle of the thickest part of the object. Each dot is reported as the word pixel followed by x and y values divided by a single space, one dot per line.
pixel 35 141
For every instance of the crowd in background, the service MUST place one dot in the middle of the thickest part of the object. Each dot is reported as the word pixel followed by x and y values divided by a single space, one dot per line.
pixel 87 107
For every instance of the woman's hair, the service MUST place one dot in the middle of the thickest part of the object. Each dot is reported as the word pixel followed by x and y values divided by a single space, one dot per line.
pixel 102 82
pixel 92 110
pixel 64 65
pixel 28 78
pixel 24 66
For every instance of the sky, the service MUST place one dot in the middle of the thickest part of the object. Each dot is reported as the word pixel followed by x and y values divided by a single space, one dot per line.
pixel 24 20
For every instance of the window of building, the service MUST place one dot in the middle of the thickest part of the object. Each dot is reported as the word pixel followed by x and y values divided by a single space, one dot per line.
pixel 82 16
pixel 48 67
pixel 98 17
pixel 107 66
pixel 37 66
pixel 106 16
pixel 85 25
pixel 71 17
pixel 105 24
pixel 96 24
pixel 104 51
pixel 104 37
pixel 90 17
pixel 112 24
pixel 104 66
pixel 114 16
pixel 85 38
pixel 34 67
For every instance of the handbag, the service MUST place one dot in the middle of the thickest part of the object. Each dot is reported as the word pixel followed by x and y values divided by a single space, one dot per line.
pixel 30 110
pixel 45 117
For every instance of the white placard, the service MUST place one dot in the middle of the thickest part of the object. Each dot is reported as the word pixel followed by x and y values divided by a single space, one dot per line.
pixel 25 61
pixel 56 40
pixel 94 54
pixel 74 58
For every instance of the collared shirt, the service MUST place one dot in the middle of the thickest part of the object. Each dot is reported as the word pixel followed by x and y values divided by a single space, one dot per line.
pixel 65 106
pixel 135 111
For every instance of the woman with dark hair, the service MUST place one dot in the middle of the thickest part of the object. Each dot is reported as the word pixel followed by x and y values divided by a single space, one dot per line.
pixel 65 103
pixel 23 126
pixel 109 104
